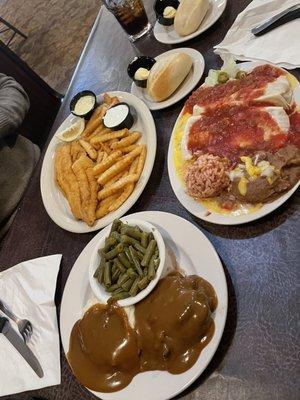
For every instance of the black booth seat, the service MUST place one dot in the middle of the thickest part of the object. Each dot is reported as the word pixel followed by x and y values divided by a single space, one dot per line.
pixel 44 101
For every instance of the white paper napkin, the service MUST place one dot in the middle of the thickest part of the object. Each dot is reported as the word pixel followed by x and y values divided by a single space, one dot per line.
pixel 281 46
pixel 28 288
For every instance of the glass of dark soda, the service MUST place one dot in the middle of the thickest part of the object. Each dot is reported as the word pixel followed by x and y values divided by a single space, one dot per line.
pixel 131 15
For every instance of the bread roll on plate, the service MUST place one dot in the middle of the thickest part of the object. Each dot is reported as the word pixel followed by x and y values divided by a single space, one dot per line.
pixel 189 16
pixel 167 74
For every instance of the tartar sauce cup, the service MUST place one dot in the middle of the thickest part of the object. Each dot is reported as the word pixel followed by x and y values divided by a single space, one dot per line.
pixel 83 104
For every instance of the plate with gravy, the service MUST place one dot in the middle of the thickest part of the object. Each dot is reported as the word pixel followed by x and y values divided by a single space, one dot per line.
pixel 165 340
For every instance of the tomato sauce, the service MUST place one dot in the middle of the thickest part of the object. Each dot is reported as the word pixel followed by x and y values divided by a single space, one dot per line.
pixel 234 130
pixel 292 108
pixel 246 89
pixel 294 133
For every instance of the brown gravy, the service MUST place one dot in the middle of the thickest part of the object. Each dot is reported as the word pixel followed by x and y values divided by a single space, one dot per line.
pixel 103 349
pixel 172 326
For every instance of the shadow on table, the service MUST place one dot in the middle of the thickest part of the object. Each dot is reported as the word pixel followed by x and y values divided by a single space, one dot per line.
pixel 255 228
pixel 226 340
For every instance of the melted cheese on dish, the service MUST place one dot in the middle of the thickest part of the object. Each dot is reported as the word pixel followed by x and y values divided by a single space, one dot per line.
pixel 292 80
pixel 178 157
pixel 212 205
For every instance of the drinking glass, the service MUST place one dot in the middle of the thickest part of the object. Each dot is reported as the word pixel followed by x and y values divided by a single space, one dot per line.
pixel 131 16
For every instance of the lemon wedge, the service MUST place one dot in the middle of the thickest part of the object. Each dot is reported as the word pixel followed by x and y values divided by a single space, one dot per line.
pixel 73 132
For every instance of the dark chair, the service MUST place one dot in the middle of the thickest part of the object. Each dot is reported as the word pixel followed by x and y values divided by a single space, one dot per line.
pixel 11 29
pixel 44 101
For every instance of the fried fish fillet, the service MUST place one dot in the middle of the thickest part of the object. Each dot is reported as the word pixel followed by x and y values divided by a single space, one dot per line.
pixel 83 170
pixel 66 179
pixel 76 151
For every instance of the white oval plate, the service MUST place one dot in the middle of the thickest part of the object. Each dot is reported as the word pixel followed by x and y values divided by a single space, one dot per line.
pixel 198 209
pixel 55 203
pixel 186 86
pixel 185 247
pixel 167 34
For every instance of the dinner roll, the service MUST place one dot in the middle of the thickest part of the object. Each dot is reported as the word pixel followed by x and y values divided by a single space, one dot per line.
pixel 167 74
pixel 189 16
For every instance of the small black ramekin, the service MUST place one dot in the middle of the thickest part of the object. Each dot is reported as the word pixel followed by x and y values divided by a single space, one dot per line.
pixel 126 123
pixel 77 97
pixel 159 7
pixel 140 62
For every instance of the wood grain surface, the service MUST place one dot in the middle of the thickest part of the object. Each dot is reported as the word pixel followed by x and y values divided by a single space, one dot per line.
pixel 258 357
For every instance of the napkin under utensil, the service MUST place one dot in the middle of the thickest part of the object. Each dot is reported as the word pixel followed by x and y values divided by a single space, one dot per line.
pixel 280 46
pixel 28 289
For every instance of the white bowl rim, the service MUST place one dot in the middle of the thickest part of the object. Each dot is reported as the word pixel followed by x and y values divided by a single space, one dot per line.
pixel 100 294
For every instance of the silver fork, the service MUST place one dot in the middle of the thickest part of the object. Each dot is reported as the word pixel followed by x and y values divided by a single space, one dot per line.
pixel 24 326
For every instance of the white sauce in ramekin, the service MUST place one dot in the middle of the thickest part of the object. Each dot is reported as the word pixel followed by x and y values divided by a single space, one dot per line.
pixel 84 105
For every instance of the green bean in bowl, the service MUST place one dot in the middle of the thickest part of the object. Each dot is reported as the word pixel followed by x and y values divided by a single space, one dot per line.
pixel 127 261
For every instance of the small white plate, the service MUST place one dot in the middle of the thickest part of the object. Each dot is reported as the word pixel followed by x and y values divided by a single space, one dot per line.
pixel 56 204
pixel 186 86
pixel 167 34
pixel 99 290
pixel 185 248
pixel 197 209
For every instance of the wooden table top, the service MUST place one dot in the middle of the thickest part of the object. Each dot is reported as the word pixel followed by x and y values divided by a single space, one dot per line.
pixel 258 355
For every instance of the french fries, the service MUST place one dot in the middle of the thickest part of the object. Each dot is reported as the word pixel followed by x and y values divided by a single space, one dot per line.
pixel 105 204
pixel 128 189
pixel 105 155
pixel 119 166
pixel 133 166
pixel 105 148
pixel 109 136
pixel 116 177
pixel 95 116
pixel 100 156
pixel 101 130
pixel 115 187
pixel 92 153
pixel 110 101
pixel 108 162
pixel 98 172
pixel 141 162
pixel 128 149
pixel 95 120
pixel 127 141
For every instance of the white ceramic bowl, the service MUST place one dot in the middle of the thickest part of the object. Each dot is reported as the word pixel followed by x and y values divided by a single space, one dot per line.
pixel 100 292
